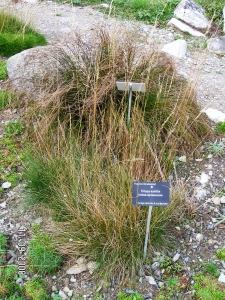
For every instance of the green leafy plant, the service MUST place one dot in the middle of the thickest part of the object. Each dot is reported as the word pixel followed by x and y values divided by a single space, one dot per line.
pixel 35 289
pixel 3 244
pixel 42 254
pixel 216 147
pixel 208 287
pixel 3 71
pixel 211 269
pixel 14 128
pixel 134 296
pixel 220 127
pixel 15 36
pixel 220 254
pixel 7 285
pixel 170 266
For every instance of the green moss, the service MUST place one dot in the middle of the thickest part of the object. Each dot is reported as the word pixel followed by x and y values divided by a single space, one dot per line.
pixel 35 289
pixel 15 36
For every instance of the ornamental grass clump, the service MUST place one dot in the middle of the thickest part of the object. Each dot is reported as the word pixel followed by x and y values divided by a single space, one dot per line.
pixel 86 155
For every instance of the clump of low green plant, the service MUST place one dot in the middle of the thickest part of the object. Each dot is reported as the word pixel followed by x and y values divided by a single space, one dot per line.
pixel 208 288
pixel 42 255
pixel 134 296
pixel 16 36
pixel 35 289
pixel 220 254
pixel 8 286
pixel 6 97
pixel 3 244
pixel 216 147
pixel 3 71
pixel 14 128
pixel 170 266
pixel 220 127
pixel 211 269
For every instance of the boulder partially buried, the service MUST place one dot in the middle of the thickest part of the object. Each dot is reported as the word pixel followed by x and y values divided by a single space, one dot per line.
pixel 216 45
pixel 30 69
pixel 192 14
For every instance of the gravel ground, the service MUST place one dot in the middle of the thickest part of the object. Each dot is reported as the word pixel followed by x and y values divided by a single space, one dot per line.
pixel 204 175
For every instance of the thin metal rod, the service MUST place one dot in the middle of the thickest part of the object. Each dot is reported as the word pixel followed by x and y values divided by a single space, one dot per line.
pixel 147 232
pixel 129 105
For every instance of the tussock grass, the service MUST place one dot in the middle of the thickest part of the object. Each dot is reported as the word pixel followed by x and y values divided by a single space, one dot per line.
pixel 86 156
pixel 16 36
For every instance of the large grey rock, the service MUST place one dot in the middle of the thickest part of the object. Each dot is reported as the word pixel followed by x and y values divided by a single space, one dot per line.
pixel 216 45
pixel 177 48
pixel 30 69
pixel 184 27
pixel 192 14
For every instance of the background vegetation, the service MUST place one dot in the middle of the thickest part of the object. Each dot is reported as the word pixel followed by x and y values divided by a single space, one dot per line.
pixel 16 36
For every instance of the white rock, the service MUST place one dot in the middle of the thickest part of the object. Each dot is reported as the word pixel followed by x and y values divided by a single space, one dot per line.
pixel 104 5
pixel 221 278
pixel 66 289
pixel 6 185
pixel 81 260
pixel 199 237
pixel 214 115
pixel 222 200
pixel 183 158
pixel 73 279
pixel 151 280
pixel 200 193
pixel 216 45
pixel 176 257
pixel 177 48
pixel 76 269
pixel 70 293
pixel 204 178
pixel 216 200
pixel 62 294
pixel 3 205
pixel 92 266
pixel 192 14
pixel 30 1
pixel 184 27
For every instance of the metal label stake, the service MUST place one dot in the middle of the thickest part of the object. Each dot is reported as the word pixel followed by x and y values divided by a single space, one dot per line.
pixel 130 87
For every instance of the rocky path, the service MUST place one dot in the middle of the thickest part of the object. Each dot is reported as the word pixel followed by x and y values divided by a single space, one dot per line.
pixel 204 176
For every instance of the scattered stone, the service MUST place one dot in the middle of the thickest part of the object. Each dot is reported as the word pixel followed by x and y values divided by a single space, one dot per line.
pixel 62 294
pixel 216 45
pixel 183 158
pixel 203 179
pixel 214 115
pixel 81 260
pixel 19 280
pixel 70 293
pixel 76 269
pixel 177 48
pixel 221 278
pixel 38 220
pixel 222 200
pixel 54 288
pixel 66 289
pixel 216 200
pixel 176 257
pixel 199 237
pixel 73 279
pixel 184 27
pixel 3 205
pixel 192 14
pixel 151 280
pixel 155 266
pixel 6 185
pixel 92 266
